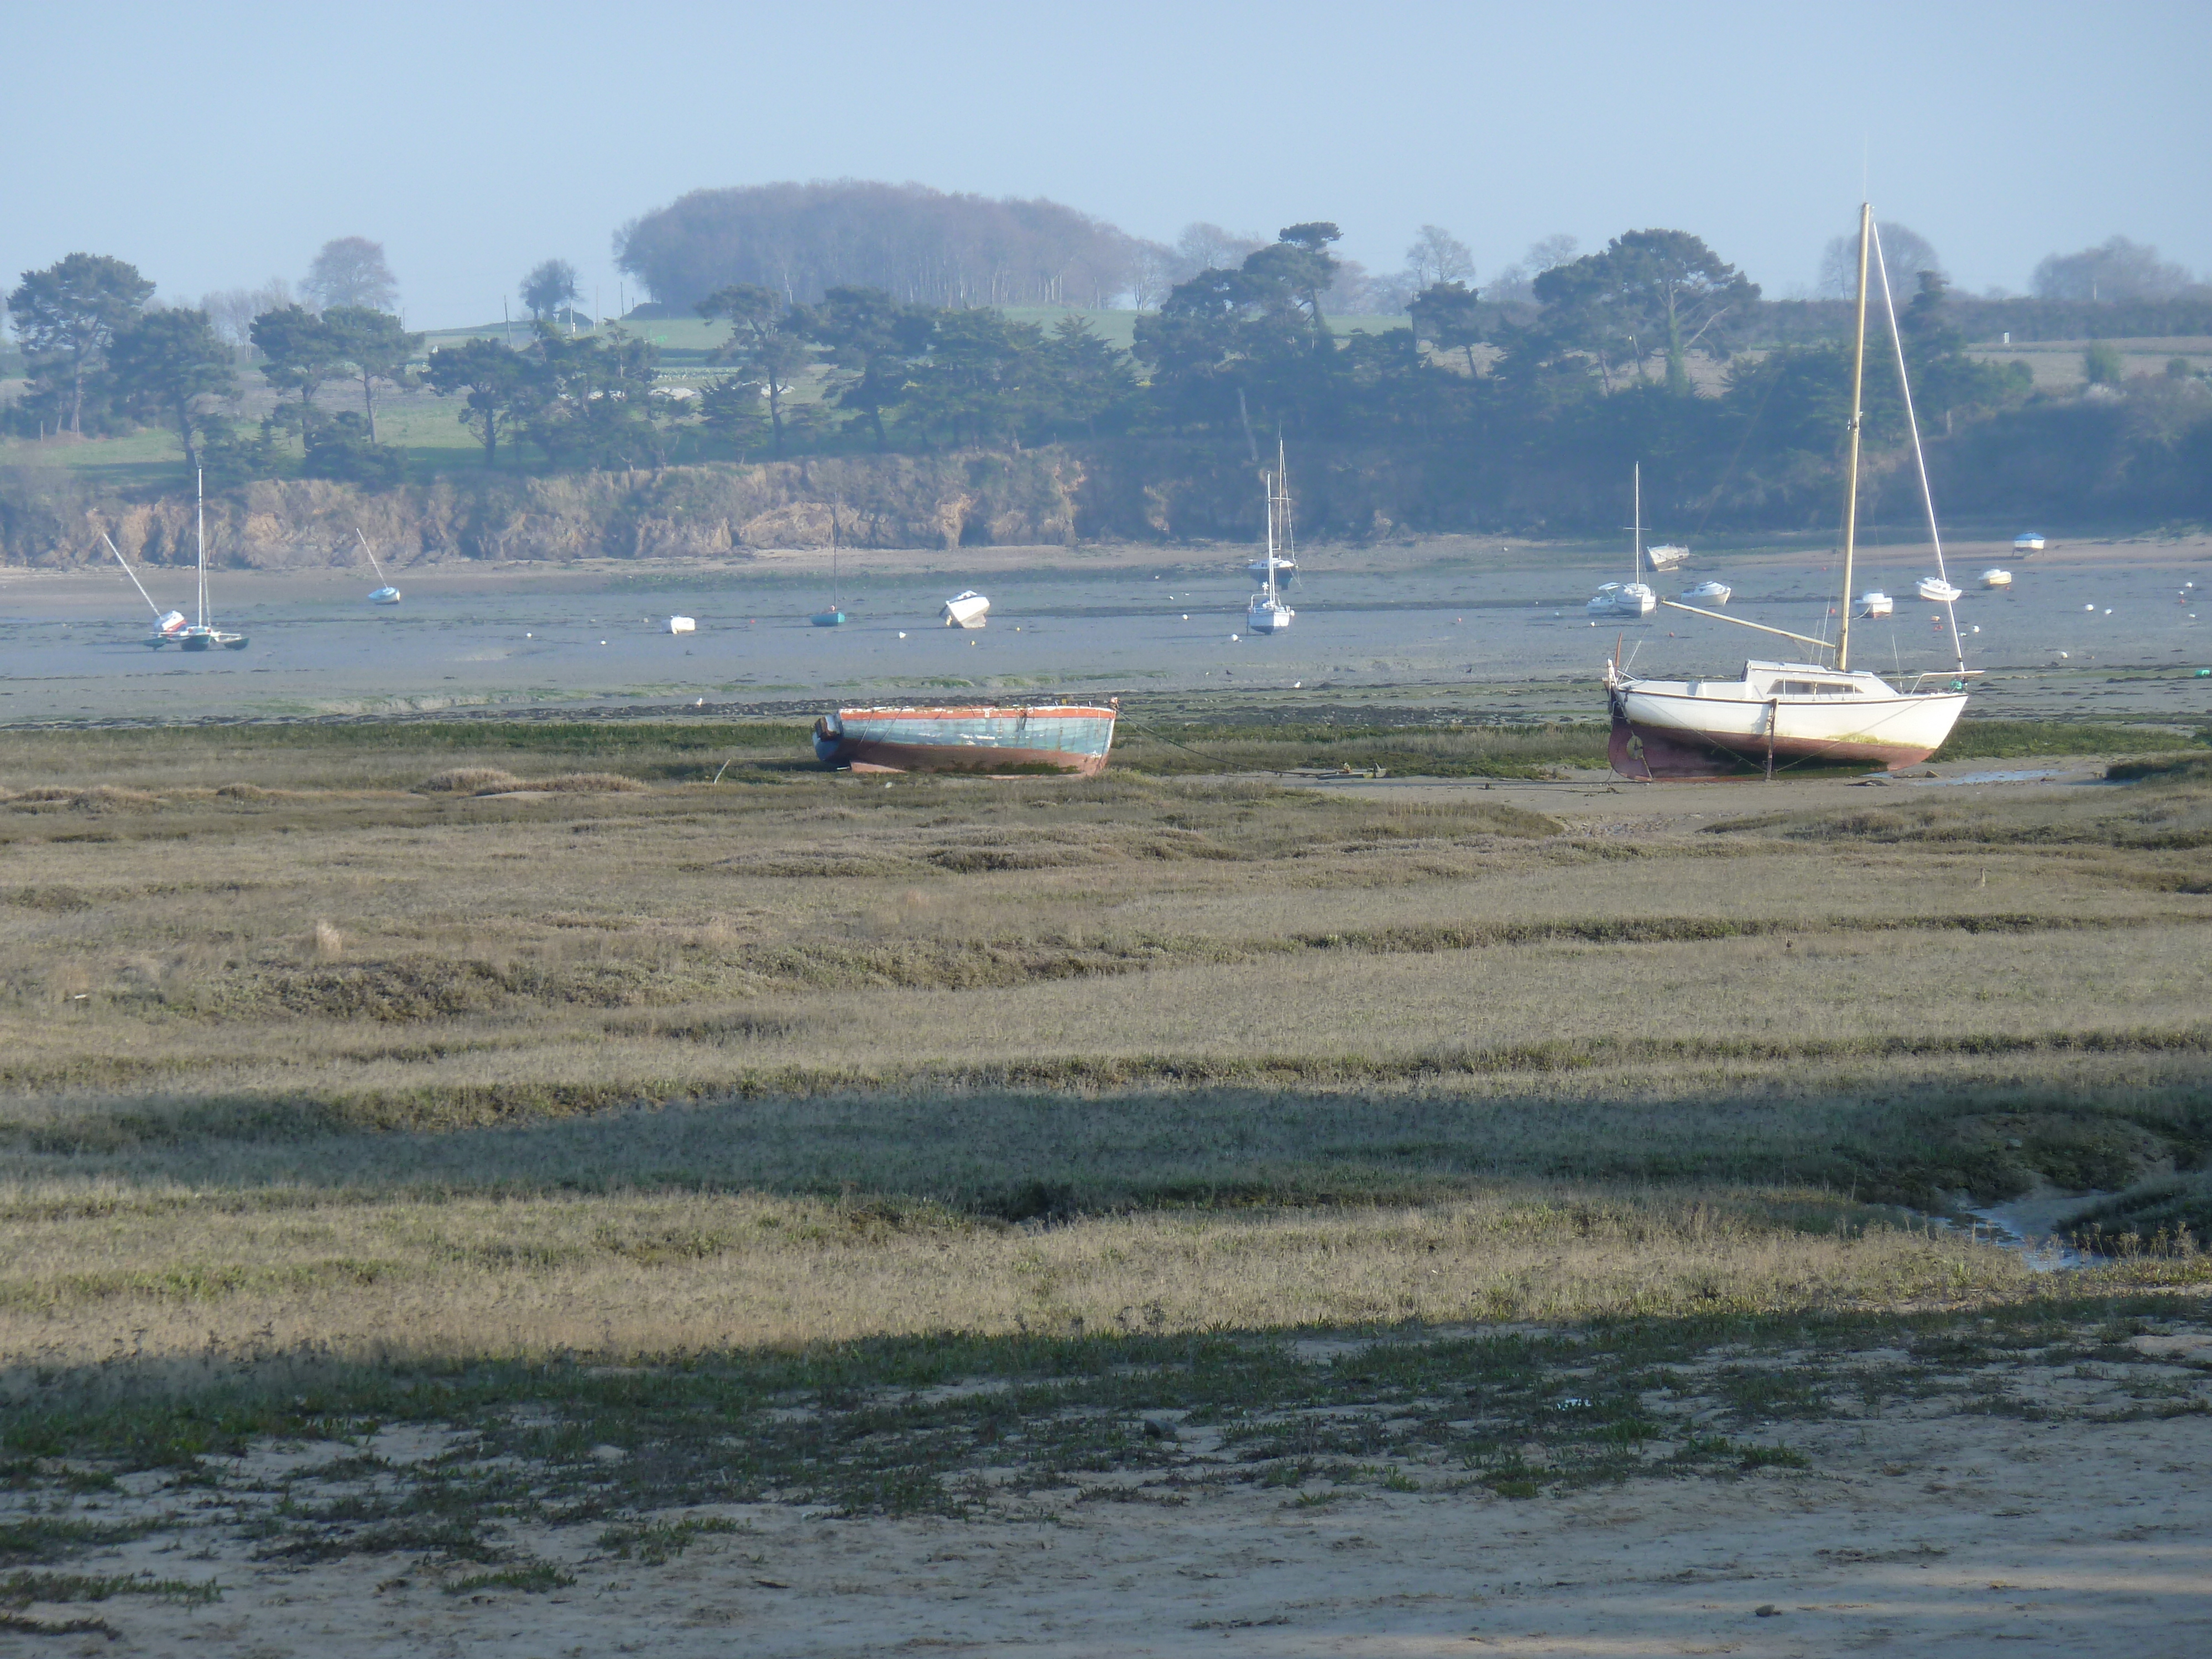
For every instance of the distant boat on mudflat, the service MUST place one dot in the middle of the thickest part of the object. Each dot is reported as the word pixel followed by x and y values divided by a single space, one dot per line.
pixel 203 634
pixel 1266 613
pixel 2030 543
pixel 968 609
pixel 386 595
pixel 1633 597
pixel 983 737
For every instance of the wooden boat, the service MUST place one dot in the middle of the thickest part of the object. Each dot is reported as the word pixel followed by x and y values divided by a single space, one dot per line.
pixel 1786 713
pixel 1068 738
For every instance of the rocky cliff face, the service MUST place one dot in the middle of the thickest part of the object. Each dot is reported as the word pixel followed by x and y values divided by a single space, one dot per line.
pixel 890 501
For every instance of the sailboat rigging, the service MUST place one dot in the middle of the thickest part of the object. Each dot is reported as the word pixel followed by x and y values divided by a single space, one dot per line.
pixel 1634 597
pixel 202 635
pixel 1791 712
pixel 835 616
pixel 1266 613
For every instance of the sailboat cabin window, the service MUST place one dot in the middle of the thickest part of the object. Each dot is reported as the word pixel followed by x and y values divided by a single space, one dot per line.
pixel 1814 689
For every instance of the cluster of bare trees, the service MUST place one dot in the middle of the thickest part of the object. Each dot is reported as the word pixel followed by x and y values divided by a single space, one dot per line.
pixel 348 270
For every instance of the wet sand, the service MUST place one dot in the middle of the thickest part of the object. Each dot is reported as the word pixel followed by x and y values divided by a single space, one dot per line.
pixel 1920 1529
pixel 1488 625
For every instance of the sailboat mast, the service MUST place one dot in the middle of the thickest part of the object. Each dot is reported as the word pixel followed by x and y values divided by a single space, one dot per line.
pixel 1636 545
pixel 1268 478
pixel 1858 419
pixel 199 494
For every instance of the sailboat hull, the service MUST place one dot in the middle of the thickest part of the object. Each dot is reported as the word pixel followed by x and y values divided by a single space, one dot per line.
pixel 1659 735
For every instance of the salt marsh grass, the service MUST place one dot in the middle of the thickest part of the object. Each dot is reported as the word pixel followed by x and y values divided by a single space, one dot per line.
pixel 383 1040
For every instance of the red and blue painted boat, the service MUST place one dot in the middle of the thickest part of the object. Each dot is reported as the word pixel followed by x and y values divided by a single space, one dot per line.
pixel 1068 738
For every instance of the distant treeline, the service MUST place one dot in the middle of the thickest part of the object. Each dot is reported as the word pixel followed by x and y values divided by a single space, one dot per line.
pixel 918 245
pixel 1474 414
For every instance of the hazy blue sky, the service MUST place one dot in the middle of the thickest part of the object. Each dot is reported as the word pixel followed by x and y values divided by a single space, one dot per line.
pixel 218 144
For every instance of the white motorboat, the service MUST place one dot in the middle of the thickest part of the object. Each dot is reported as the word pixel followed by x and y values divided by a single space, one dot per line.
pixel 968 609
pixel 1937 591
pixel 386 595
pixel 1665 555
pixel 1780 713
pixel 2030 543
pixel 1633 597
pixel 1266 613
pixel 1284 569
pixel 680 625
pixel 1996 578
pixel 1708 593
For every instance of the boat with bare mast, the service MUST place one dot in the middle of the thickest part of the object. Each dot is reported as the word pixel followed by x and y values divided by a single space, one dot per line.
pixel 1784 714
pixel 204 635
pixel 1634 598
pixel 1266 613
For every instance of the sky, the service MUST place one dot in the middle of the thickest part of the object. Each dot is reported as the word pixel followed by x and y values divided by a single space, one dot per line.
pixel 217 145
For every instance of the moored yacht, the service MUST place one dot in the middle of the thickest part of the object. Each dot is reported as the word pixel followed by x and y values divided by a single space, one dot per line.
pixel 1779 714
pixel 1266 613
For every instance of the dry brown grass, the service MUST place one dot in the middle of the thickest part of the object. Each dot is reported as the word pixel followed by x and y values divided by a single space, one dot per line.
pixel 295 1049
pixel 634 1274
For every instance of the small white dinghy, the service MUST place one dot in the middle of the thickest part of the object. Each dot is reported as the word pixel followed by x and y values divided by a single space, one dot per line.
pixel 1665 555
pixel 680 625
pixel 1875 602
pixel 968 609
pixel 1937 591
pixel 1996 578
pixel 2030 543
pixel 1708 593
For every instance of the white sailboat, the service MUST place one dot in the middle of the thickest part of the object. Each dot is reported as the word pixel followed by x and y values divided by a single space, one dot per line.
pixel 1789 713
pixel 1633 597
pixel 1266 613
pixel 386 595
pixel 202 635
